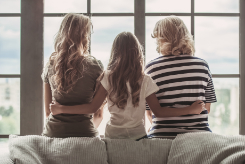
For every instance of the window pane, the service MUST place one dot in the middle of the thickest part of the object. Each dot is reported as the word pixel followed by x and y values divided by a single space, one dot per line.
pixel 4 148
pixel 104 34
pixel 151 45
pixel 9 45
pixel 101 43
pixel 51 27
pixel 10 6
pixel 65 6
pixel 217 41
pixel 224 114
pixel 217 6
pixel 112 6
pixel 166 6
pixel 9 106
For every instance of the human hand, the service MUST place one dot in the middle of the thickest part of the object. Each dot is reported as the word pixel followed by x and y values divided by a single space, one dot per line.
pixel 55 108
pixel 103 105
pixel 197 107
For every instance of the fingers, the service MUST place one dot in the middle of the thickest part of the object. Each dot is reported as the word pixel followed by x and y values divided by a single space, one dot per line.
pixel 203 107
pixel 55 103
pixel 199 101
pixel 50 106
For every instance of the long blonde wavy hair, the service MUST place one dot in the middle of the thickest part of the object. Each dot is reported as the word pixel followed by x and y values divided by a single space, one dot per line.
pixel 71 50
pixel 173 38
pixel 125 65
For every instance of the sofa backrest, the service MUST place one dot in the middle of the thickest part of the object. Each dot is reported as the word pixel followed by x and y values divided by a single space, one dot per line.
pixel 44 150
pixel 145 151
pixel 5 158
pixel 207 148
pixel 189 148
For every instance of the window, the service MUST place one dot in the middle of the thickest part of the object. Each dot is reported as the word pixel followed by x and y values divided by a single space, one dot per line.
pixel 10 75
pixel 217 25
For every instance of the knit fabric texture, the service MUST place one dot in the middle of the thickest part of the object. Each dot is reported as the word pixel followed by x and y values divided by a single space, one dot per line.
pixel 207 148
pixel 145 151
pixel 44 150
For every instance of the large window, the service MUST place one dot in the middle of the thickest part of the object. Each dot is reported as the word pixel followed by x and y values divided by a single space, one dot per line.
pixel 27 31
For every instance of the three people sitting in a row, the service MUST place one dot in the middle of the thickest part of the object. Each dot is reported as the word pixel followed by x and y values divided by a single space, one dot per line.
pixel 175 88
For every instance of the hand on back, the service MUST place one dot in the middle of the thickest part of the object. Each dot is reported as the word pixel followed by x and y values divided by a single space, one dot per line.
pixel 197 107
pixel 54 108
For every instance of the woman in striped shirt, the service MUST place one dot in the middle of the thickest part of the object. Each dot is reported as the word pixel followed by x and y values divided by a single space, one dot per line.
pixel 181 78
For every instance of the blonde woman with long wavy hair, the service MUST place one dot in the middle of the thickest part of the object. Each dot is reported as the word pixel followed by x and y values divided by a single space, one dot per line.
pixel 70 78
pixel 182 79
pixel 127 89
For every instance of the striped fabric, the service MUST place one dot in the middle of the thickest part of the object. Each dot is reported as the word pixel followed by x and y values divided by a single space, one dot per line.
pixel 182 80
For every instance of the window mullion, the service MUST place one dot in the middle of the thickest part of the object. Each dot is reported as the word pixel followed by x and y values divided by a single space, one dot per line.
pixel 10 76
pixel 192 18
pixel 139 21
pixel 242 67
pixel 89 7
pixel 4 136
pixel 225 75
pixel 31 110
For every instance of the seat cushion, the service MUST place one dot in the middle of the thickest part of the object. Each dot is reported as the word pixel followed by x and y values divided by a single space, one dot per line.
pixel 145 151
pixel 44 150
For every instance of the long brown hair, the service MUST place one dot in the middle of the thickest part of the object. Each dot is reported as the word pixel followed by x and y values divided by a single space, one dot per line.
pixel 173 37
pixel 71 49
pixel 125 65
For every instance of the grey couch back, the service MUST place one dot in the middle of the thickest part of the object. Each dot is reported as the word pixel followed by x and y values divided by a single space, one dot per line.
pixel 190 148
pixel 45 150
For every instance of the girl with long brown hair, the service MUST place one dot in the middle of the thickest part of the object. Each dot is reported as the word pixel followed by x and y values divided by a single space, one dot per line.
pixel 127 89
pixel 70 77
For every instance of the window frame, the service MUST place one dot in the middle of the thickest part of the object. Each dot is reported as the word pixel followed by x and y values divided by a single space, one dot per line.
pixel 31 65
pixel 31 86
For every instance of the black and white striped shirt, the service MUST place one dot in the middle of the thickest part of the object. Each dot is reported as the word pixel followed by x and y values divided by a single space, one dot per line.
pixel 181 80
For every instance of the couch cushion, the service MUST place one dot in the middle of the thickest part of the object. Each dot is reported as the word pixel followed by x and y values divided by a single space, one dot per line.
pixel 145 151
pixel 207 148
pixel 5 158
pixel 44 150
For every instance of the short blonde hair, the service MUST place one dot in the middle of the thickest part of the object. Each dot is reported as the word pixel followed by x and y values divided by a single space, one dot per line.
pixel 173 37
